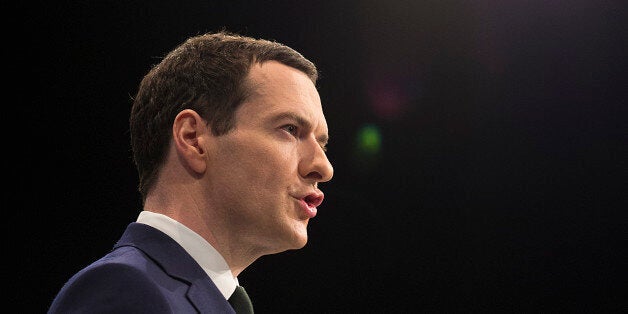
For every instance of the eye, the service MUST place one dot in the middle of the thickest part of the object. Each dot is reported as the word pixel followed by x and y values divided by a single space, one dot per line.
pixel 291 128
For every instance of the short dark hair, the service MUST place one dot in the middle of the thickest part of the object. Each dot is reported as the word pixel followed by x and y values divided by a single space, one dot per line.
pixel 206 73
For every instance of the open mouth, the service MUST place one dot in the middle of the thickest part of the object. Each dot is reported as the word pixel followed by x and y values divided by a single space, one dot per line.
pixel 309 204
pixel 313 200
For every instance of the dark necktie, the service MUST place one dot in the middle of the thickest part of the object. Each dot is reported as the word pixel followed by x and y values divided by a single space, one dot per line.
pixel 240 301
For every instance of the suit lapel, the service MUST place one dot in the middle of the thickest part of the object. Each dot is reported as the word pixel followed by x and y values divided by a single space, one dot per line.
pixel 176 262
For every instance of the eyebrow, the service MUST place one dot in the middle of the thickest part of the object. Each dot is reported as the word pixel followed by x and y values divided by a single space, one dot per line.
pixel 302 122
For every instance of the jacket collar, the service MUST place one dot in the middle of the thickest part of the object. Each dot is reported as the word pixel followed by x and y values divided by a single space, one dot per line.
pixel 177 263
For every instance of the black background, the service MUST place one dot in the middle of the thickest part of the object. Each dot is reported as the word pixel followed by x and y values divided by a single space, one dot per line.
pixel 500 182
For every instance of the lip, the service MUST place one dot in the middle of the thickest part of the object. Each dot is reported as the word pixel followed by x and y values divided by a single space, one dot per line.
pixel 308 203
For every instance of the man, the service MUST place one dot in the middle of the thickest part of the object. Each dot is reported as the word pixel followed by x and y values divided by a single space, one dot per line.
pixel 228 137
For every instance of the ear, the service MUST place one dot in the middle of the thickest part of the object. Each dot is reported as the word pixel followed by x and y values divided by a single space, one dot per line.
pixel 189 133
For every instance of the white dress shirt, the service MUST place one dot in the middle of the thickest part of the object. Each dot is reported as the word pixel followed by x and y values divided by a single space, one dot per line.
pixel 201 251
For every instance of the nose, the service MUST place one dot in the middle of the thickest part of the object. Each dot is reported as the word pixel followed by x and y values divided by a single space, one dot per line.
pixel 314 165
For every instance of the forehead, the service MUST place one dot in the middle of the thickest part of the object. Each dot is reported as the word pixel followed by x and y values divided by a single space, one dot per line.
pixel 277 89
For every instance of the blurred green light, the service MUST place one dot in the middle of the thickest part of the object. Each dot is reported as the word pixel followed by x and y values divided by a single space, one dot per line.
pixel 369 139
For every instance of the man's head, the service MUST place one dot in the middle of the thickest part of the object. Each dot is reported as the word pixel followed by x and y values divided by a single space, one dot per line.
pixel 228 135
pixel 207 74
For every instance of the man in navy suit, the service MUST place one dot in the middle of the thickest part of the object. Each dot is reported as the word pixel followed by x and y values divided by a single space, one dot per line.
pixel 228 136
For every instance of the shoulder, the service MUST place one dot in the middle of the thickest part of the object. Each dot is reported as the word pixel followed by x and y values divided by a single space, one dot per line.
pixel 113 284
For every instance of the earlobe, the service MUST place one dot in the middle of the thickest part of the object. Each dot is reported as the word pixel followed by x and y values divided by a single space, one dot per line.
pixel 189 131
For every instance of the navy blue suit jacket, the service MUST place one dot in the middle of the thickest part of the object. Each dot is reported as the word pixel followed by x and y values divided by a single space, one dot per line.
pixel 146 272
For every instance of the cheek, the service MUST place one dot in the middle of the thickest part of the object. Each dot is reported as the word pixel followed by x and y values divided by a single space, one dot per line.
pixel 271 164
pixel 266 163
pixel 256 162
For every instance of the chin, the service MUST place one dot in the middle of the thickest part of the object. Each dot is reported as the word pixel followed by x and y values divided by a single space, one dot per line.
pixel 290 246
pixel 292 236
pixel 298 240
pixel 301 244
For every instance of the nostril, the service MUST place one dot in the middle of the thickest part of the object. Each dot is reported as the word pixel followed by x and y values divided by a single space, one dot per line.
pixel 314 175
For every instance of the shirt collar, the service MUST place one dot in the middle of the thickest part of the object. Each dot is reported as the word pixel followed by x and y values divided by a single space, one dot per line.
pixel 201 251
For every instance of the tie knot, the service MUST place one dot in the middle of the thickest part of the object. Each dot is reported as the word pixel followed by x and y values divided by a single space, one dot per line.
pixel 240 301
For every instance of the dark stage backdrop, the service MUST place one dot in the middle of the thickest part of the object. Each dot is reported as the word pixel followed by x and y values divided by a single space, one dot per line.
pixel 479 147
